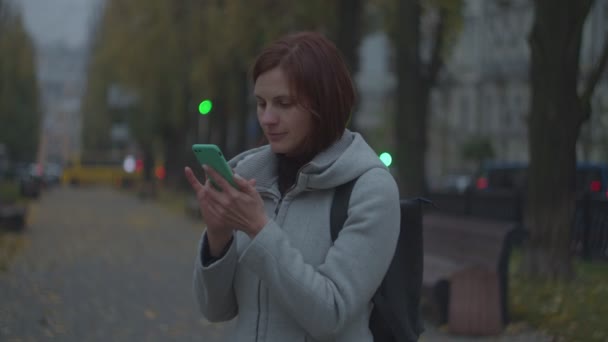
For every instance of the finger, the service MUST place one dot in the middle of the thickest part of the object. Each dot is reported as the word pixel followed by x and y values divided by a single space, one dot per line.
pixel 217 178
pixel 212 194
pixel 246 186
pixel 210 189
pixel 196 185
pixel 241 182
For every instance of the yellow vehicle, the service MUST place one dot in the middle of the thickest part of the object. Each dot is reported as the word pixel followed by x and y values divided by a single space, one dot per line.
pixel 100 172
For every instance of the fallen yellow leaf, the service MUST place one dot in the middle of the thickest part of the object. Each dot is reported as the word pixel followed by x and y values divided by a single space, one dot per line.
pixel 150 314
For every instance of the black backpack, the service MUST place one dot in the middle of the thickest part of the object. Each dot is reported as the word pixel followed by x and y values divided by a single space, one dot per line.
pixel 396 313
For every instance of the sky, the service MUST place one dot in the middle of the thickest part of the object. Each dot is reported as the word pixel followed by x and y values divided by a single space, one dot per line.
pixel 64 22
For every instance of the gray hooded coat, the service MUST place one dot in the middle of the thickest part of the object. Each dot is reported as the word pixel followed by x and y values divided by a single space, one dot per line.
pixel 290 283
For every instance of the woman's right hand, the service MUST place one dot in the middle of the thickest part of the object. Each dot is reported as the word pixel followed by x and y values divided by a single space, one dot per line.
pixel 218 233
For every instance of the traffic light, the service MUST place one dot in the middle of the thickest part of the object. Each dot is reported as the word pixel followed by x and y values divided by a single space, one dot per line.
pixel 386 158
pixel 205 107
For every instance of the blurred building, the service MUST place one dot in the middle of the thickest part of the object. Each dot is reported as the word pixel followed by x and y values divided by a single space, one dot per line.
pixel 61 76
pixel 483 88
pixel 60 31
pixel 375 82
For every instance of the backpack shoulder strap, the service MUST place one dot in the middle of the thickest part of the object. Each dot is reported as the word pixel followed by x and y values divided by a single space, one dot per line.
pixel 339 207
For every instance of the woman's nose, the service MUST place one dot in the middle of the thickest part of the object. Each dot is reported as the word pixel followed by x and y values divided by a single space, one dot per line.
pixel 268 117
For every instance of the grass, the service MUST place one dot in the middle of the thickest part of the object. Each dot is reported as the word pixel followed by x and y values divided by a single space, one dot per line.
pixel 573 311
pixel 10 244
pixel 9 192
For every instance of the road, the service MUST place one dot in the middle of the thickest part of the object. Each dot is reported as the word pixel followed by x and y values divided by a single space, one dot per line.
pixel 100 265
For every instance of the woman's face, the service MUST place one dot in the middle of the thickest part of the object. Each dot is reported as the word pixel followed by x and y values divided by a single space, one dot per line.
pixel 285 123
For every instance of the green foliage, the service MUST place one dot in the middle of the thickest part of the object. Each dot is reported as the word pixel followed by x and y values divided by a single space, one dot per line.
pixel 573 311
pixel 10 244
pixel 19 111
pixel 173 54
pixel 477 149
pixel 9 191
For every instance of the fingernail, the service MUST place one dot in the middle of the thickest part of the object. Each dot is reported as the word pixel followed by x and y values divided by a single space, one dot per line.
pixel 238 176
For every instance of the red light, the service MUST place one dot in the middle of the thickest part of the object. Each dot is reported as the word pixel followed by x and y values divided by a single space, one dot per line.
pixel 482 183
pixel 160 172
pixel 596 186
pixel 139 165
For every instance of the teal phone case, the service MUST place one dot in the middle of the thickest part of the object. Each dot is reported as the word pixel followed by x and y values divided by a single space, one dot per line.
pixel 211 155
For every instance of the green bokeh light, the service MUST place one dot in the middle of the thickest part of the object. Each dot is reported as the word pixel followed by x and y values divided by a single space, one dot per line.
pixel 386 158
pixel 205 107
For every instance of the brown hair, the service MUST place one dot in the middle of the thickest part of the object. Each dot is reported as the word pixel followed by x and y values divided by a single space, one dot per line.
pixel 319 80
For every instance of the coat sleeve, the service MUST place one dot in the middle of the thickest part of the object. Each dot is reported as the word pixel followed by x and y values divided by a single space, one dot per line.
pixel 323 299
pixel 214 284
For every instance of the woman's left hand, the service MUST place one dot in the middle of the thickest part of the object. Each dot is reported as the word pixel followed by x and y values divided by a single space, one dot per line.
pixel 243 208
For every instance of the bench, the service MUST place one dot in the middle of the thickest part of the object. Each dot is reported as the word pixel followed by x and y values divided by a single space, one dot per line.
pixel 12 216
pixel 466 271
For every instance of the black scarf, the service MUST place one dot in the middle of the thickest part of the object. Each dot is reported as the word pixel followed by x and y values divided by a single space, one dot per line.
pixel 288 168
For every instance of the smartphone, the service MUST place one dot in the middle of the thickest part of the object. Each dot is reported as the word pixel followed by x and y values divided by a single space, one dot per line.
pixel 212 156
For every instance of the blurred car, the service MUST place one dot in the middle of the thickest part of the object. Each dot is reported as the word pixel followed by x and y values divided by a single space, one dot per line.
pixel 108 172
pixel 591 178
pixel 456 182
pixel 29 176
pixel 51 173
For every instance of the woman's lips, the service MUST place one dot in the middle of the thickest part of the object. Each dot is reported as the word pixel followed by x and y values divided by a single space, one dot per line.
pixel 275 136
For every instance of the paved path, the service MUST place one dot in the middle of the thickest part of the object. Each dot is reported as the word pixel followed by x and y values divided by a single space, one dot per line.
pixel 100 265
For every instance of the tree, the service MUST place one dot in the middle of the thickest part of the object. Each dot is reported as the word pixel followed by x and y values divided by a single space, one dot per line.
pixel 415 79
pixel 19 101
pixel 558 110
pixel 477 149
pixel 347 32
pixel 142 48
pixel 238 44
pixel 175 53
pixel 96 120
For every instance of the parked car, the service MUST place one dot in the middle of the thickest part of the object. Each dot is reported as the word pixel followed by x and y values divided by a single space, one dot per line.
pixel 30 180
pixel 454 182
pixel 591 178
pixel 52 174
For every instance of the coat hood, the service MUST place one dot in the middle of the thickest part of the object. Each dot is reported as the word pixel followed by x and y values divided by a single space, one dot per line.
pixel 345 160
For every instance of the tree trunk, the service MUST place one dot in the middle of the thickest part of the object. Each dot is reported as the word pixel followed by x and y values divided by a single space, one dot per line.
pixel 348 37
pixel 218 122
pixel 412 97
pixel 241 111
pixel 177 154
pixel 554 125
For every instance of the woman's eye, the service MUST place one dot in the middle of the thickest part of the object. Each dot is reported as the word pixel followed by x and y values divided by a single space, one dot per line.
pixel 285 104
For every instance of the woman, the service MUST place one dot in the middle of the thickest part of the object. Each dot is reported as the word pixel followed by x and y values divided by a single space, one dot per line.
pixel 267 255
